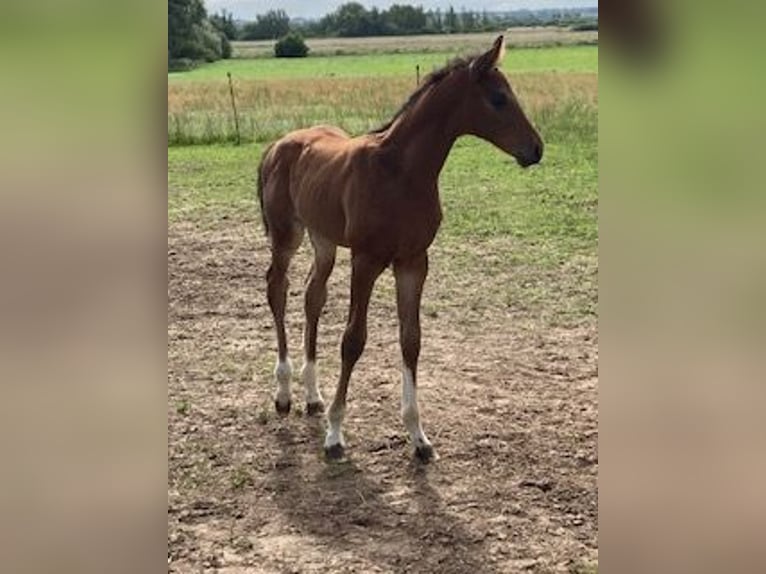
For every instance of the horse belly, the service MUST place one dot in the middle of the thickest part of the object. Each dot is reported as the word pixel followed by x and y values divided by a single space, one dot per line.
pixel 395 234
pixel 317 194
pixel 321 212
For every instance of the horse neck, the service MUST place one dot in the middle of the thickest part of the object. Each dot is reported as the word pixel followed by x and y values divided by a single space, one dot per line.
pixel 425 134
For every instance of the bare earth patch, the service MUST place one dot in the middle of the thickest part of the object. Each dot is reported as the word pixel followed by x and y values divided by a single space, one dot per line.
pixel 508 397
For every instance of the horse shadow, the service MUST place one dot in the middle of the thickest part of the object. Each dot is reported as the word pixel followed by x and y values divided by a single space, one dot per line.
pixel 347 512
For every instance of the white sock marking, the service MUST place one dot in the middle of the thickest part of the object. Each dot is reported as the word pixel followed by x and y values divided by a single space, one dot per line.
pixel 283 373
pixel 410 413
pixel 308 374
pixel 334 434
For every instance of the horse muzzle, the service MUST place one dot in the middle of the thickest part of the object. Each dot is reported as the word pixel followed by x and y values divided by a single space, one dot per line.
pixel 531 157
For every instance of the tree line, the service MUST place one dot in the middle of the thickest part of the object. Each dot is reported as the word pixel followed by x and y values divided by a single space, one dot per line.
pixel 354 20
pixel 193 35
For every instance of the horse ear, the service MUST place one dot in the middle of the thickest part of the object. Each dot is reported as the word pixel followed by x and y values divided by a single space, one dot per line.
pixel 489 59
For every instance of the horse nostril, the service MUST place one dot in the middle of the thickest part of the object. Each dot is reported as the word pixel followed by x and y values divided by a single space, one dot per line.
pixel 539 151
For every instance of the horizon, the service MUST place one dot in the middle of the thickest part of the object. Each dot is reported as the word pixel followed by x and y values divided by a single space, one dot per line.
pixel 314 9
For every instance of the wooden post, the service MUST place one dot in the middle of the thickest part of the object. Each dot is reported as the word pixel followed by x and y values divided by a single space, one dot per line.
pixel 234 107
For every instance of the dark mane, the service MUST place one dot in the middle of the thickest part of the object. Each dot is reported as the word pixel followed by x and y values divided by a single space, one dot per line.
pixel 430 80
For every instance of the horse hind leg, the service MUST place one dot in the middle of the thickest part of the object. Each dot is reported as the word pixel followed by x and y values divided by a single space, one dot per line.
pixel 316 295
pixel 284 244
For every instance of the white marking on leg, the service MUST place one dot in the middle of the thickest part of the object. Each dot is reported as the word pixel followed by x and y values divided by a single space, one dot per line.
pixel 308 374
pixel 283 374
pixel 334 420
pixel 410 412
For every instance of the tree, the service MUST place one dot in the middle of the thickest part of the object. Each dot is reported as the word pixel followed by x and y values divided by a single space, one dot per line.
pixel 376 23
pixel 450 21
pixel 405 19
pixel 437 20
pixel 269 26
pixel 485 23
pixel 224 23
pixel 191 35
pixel 352 19
pixel 467 21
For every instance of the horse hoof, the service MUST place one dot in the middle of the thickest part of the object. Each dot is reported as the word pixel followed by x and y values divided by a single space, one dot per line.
pixel 424 453
pixel 314 408
pixel 282 409
pixel 334 452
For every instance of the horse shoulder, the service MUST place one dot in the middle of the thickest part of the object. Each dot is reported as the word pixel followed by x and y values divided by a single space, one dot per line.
pixel 386 162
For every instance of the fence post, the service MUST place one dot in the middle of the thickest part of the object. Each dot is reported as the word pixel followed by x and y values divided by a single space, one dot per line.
pixel 234 107
pixel 417 75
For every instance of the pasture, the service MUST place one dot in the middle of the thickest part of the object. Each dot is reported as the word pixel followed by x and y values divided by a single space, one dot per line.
pixel 508 369
pixel 542 36
pixel 355 92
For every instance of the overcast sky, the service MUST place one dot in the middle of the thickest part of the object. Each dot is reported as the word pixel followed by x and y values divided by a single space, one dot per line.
pixel 247 9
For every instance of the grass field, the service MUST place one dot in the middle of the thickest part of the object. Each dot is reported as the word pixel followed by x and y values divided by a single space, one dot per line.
pixel 508 376
pixel 358 93
pixel 461 43
pixel 558 59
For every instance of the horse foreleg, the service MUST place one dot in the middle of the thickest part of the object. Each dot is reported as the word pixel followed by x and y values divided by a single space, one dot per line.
pixel 364 272
pixel 410 277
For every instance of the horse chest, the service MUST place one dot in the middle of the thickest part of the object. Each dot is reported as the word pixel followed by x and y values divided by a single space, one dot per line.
pixel 395 227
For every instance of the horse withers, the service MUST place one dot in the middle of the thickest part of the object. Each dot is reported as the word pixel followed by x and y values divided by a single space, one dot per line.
pixel 377 194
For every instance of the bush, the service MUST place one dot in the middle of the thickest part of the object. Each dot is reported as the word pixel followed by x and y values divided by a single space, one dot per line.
pixel 586 27
pixel 291 46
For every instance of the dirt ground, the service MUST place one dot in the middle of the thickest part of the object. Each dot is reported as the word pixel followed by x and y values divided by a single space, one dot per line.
pixel 508 397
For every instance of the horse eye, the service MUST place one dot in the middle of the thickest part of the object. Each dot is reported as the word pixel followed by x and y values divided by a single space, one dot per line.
pixel 498 100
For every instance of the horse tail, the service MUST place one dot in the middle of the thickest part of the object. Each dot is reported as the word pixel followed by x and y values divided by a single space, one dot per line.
pixel 261 183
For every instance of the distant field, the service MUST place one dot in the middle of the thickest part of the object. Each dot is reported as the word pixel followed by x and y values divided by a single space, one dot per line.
pixel 558 59
pixel 515 37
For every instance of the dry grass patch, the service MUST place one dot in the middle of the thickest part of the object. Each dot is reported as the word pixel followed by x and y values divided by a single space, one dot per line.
pixel 516 38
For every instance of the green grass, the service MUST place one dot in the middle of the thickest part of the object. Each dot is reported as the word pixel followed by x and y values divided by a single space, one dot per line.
pixel 211 181
pixel 541 223
pixel 484 193
pixel 561 59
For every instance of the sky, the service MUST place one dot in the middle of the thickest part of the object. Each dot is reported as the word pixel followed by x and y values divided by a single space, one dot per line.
pixel 247 9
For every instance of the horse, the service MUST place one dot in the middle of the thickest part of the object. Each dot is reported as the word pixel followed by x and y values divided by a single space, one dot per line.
pixel 377 194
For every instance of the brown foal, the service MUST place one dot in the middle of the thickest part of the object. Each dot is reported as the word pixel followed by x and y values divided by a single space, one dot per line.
pixel 377 194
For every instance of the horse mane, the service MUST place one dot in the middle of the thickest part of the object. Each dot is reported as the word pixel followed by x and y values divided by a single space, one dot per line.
pixel 430 80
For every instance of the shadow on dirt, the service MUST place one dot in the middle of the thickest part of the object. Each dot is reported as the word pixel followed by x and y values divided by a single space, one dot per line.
pixel 406 530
